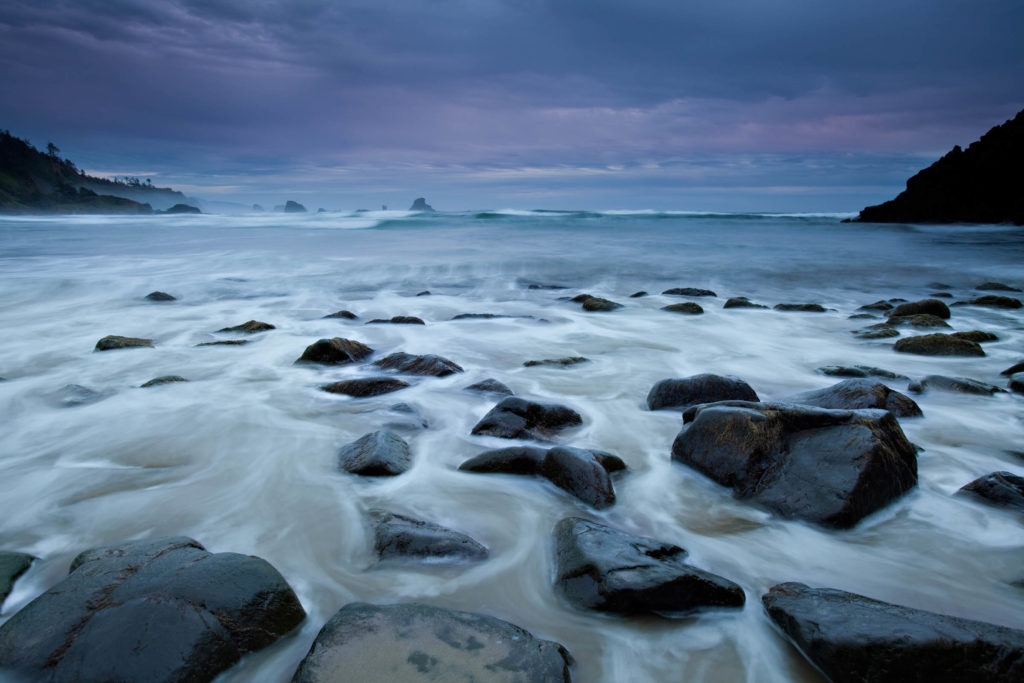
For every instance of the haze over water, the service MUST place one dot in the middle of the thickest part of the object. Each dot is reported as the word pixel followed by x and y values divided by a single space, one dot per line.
pixel 243 456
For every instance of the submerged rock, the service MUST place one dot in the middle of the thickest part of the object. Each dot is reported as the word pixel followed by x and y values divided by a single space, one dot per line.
pixel 1013 369
pixel 156 610
pixel 806 308
pixel 741 302
pixel 960 385
pixel 925 306
pixel 436 366
pixel 1016 382
pixel 412 642
pixel 704 388
pixel 378 454
pixel 924 320
pixel 491 386
pixel 997 287
pixel 880 305
pixel 166 379
pixel 517 418
pixel 225 342
pixel 569 360
pixel 399 538
pixel 71 395
pixel 1002 489
pixel 398 320
pixel 687 307
pixel 114 341
pixel 249 327
pixel 857 394
pixel 858 371
pixel 12 565
pixel 831 467
pixel 976 336
pixel 365 387
pixel 600 568
pixel 993 301
pixel 347 315
pixel 637 295
pixel 336 351
pixel 160 296
pixel 688 291
pixel 851 637
pixel 938 345
pixel 880 331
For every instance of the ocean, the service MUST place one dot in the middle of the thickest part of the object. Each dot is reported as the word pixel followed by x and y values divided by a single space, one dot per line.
pixel 243 456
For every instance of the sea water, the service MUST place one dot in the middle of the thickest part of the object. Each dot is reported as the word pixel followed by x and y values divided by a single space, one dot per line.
pixel 243 457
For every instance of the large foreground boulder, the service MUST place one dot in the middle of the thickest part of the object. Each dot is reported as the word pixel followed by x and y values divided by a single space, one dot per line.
pixel 705 388
pixel 378 454
pixel 158 610
pixel 398 538
pixel 600 568
pixel 857 394
pixel 415 642
pixel 335 351
pixel 854 638
pixel 831 467
pixel 517 418
pixel 436 366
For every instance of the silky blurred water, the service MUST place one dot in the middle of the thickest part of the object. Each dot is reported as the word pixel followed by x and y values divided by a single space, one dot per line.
pixel 243 456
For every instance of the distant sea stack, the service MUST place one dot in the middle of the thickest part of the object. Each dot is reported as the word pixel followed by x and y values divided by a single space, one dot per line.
pixel 981 184
pixel 294 207
pixel 421 205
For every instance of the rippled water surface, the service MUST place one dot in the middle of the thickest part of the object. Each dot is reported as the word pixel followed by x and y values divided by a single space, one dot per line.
pixel 243 456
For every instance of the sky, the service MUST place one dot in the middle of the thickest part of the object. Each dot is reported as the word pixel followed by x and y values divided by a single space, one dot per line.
pixel 705 105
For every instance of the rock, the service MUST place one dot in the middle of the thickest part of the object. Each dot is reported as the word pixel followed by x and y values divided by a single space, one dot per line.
pixel 398 320
pixel 483 316
pixel 1017 382
pixel 976 185
pixel 436 366
pixel 831 467
pixel 225 342
pixel 741 302
pixel 637 295
pixel 993 301
pixel 398 538
pixel 976 336
pixel 997 287
pixel 862 316
pixel 71 395
pixel 807 308
pixel 596 303
pixel 941 295
pixel 12 565
pixel 249 327
pixel 544 285
pixel 688 291
pixel 514 460
pixel 857 394
pixel 160 296
pixel 183 208
pixel 517 418
pixel 880 305
pixel 850 637
pixel 938 345
pixel 924 307
pixel 960 385
pixel 584 473
pixel 603 569
pixel 938 285
pixel 293 207
pixel 336 351
pixel 916 320
pixel 113 341
pixel 425 292
pixel 420 204
pixel 156 610
pixel 570 360
pixel 166 379
pixel 1002 489
pixel 347 315
pixel 879 331
pixel 1013 369
pixel 365 387
pixel 705 388
pixel 858 371
pixel 378 454
pixel 412 642
pixel 687 307
pixel 491 386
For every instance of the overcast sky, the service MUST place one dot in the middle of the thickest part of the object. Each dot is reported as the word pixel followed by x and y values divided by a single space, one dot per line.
pixel 779 105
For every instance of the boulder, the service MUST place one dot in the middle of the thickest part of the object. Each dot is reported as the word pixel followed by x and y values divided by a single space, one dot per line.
pixel 413 642
pixel 435 366
pixel 249 327
pixel 806 308
pixel 688 291
pixel 398 320
pixel 166 379
pixel 879 331
pixel 71 395
pixel 852 638
pixel 517 418
pixel 938 345
pixel 1013 369
pixel 491 386
pixel 420 204
pixel 688 307
pixel 637 295
pixel 225 342
pixel 600 568
pixel 925 306
pixel 1016 382
pixel 993 301
pixel 997 287
pixel 960 385
pixel 569 360
pixel 858 371
pixel 862 316
pixel 114 341
pixel 880 305
pixel 586 474
pixel 12 565
pixel 365 387
pixel 160 296
pixel 335 351
pixel 514 460
pixel 830 467
pixel 293 207
pixel 155 610
pixel 857 394
pixel 378 454
pixel 347 315
pixel 1002 489
pixel 976 336
pixel 596 303
pixel 741 302
pixel 398 538
pixel 923 320
pixel 705 388
pixel 425 292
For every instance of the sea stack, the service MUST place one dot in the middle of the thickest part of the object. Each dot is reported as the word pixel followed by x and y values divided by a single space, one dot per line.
pixel 421 205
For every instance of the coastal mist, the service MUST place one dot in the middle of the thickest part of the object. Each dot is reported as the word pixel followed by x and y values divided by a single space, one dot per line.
pixel 243 457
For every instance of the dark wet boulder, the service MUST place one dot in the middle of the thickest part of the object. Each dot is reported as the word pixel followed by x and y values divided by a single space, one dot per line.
pixel 938 345
pixel 225 342
pixel 435 366
pixel 853 638
pixel 595 304
pixel 291 206
pixel 1002 489
pixel 831 467
pixel 688 291
pixel 517 418
pixel 806 308
pixel 249 327
pixel 156 610
pixel 741 302
pixel 364 387
pixel 688 307
pixel 600 568
pixel 857 394
pixel 880 305
pixel 960 385
pixel 997 287
pixel 1013 369
pixel 568 360
pixel 114 341
pixel 378 454
pixel 166 379
pixel 928 306
pixel 862 316
pixel 335 351
pixel 586 474
pixel 858 371
pixel 398 320
pixel 704 388
pixel 1016 383
pixel 420 204
pixel 920 320
pixel 491 386
pixel 514 460
pixel 413 642
pixel 977 336
pixel 12 565
pixel 879 331
pixel 993 301
pixel 343 314
pixel 398 538
pixel 160 296
pixel 637 295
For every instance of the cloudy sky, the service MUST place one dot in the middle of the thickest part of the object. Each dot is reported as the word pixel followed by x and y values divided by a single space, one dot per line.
pixel 778 105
